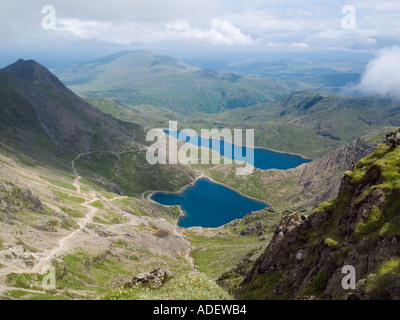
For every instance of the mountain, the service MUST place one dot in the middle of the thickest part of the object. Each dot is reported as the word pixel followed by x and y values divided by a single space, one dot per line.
pixel 358 228
pixel 310 123
pixel 71 184
pixel 43 120
pixel 299 188
pixel 144 77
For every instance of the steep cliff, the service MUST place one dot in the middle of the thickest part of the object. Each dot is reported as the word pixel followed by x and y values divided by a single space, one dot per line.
pixel 360 227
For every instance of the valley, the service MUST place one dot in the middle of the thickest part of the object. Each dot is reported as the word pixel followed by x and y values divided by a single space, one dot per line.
pixel 75 182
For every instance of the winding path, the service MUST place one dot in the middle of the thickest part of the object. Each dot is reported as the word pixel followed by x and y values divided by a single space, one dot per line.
pixel 91 212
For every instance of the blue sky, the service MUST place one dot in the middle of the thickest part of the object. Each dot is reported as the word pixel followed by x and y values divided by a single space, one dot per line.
pixel 285 25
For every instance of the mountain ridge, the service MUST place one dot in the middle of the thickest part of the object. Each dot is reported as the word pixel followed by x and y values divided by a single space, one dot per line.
pixel 144 77
pixel 358 228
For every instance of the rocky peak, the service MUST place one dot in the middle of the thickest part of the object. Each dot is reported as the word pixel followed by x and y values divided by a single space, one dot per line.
pixel 30 70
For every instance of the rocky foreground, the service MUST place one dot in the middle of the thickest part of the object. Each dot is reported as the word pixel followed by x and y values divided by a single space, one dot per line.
pixel 358 228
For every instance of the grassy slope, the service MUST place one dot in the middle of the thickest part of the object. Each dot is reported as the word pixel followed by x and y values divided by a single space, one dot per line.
pixel 379 171
pixel 308 123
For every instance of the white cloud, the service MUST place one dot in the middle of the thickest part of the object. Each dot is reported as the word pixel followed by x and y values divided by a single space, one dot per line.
pixel 218 32
pixel 382 75
pixel 299 45
pixel 316 23
pixel 81 29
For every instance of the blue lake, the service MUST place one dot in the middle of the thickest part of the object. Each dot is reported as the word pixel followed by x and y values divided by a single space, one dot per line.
pixel 263 159
pixel 208 204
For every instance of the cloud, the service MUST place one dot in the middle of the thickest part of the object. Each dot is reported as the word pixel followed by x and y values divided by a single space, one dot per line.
pixel 382 75
pixel 299 45
pixel 316 23
pixel 218 32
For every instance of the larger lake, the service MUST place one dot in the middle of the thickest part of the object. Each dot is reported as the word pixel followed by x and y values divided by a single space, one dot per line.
pixel 208 204
pixel 263 159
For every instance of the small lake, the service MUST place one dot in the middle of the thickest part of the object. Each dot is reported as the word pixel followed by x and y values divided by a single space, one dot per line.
pixel 211 205
pixel 263 159
pixel 208 204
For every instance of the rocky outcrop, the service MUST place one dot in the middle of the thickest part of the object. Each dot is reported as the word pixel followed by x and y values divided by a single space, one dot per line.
pixel 155 278
pixel 358 228
pixel 14 200
pixel 393 138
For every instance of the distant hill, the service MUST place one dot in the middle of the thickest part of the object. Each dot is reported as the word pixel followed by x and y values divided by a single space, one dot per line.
pixel 144 77
pixel 308 122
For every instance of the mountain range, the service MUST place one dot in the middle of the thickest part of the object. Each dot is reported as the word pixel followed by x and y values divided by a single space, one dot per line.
pixel 145 77
pixel 75 182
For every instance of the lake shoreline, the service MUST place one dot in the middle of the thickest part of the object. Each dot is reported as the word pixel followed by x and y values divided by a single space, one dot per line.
pixel 183 213
pixel 254 147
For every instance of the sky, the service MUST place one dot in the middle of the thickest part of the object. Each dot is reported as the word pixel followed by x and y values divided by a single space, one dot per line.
pixel 60 31
pixel 208 24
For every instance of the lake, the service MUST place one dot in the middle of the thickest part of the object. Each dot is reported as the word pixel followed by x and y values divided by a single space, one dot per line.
pixel 208 204
pixel 263 159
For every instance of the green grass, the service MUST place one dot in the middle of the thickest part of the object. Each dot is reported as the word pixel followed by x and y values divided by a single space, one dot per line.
pixel 145 78
pixel 186 287
pixel 132 173
pixel 97 204
pixel 69 198
pixel 25 281
pixel 262 286
pixel 23 295
pixel 331 242
pixel 62 184
pixel 218 254
pixel 379 285
pixel 316 287
pixel 73 213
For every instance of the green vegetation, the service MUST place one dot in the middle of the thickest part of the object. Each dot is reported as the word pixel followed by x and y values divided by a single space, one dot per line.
pixel 146 78
pixel 262 286
pixel 130 173
pixel 214 255
pixel 307 123
pixel 62 184
pixel 381 284
pixel 68 198
pixel 25 281
pixel 97 204
pixel 365 211
pixel 152 117
pixel 195 286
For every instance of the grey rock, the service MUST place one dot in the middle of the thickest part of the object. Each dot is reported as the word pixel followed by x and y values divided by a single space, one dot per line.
pixel 156 278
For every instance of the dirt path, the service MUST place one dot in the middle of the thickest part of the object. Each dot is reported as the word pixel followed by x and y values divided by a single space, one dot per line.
pixel 67 241
pixel 63 244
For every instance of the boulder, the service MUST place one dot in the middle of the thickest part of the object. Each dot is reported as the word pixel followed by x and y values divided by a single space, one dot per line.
pixel 155 278
pixel 393 138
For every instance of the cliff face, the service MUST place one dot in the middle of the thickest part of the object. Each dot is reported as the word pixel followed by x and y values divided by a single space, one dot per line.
pixel 359 228
pixel 319 180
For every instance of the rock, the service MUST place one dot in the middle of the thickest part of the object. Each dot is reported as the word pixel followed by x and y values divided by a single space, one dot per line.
pixel 393 138
pixel 26 195
pixel 303 257
pixel 299 256
pixel 253 230
pixel 318 218
pixel 155 278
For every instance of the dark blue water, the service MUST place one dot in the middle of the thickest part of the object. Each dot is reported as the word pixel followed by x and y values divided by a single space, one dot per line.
pixel 263 159
pixel 208 204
